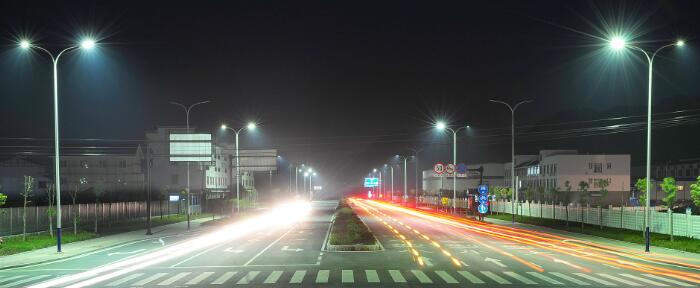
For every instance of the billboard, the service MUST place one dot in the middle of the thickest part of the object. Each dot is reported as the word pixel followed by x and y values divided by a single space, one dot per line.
pixel 190 147
pixel 371 182
pixel 258 160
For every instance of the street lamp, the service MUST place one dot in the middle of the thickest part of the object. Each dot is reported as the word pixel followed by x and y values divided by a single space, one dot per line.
pixel 618 43
pixel 250 127
pixel 442 126
pixel 512 150
pixel 311 191
pixel 86 44
pixel 392 180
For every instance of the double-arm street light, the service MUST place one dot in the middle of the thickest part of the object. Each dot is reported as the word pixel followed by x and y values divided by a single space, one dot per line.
pixel 405 180
pixel 415 155
pixel 442 126
pixel 512 149
pixel 619 43
pixel 86 44
pixel 251 126
pixel 391 167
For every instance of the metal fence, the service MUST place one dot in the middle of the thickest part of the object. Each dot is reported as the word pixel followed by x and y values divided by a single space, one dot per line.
pixel 38 217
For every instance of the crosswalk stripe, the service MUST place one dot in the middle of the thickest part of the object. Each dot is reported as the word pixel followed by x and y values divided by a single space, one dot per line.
pixel 447 277
pixel 125 279
pixel 372 276
pixel 396 276
pixel 12 278
pixel 154 277
pixel 223 278
pixel 347 276
pixel 199 278
pixel 644 280
pixel 668 280
pixel 297 277
pixel 322 276
pixel 618 279
pixel 520 278
pixel 35 278
pixel 421 276
pixel 172 280
pixel 495 277
pixel 273 277
pixel 471 277
pixel 545 278
pixel 594 279
pixel 570 279
pixel 248 277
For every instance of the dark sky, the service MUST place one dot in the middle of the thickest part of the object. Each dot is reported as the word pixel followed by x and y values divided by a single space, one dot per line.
pixel 344 85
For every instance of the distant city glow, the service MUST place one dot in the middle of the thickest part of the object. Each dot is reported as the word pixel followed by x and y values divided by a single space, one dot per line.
pixel 618 43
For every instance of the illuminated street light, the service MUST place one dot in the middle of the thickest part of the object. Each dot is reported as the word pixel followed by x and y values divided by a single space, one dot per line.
pixel 87 44
pixel 440 125
pixel 24 44
pixel 618 43
pixel 251 126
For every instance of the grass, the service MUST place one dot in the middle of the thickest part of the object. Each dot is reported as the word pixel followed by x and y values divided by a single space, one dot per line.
pixel 632 236
pixel 348 229
pixel 15 245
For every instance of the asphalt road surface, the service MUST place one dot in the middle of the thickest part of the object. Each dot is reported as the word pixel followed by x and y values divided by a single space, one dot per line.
pixel 420 249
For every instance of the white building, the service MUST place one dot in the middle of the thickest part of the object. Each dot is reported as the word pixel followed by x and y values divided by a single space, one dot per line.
pixel 115 173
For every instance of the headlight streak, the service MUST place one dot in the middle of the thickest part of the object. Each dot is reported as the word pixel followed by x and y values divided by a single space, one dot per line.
pixel 558 245
pixel 281 216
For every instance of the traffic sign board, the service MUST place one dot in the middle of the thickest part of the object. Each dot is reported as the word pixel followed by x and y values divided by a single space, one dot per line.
pixel 439 168
pixel 483 198
pixel 461 168
pixel 483 189
pixel 450 169
pixel 483 208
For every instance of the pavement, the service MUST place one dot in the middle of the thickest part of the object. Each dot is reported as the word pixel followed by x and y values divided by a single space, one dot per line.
pixel 421 249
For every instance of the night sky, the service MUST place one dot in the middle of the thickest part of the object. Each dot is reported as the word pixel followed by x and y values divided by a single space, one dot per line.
pixel 344 85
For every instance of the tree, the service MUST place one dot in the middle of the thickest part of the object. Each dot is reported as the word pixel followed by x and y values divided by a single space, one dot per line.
pixel 603 185
pixel 669 187
pixel 695 192
pixel 74 198
pixel 3 198
pixel 26 195
pixel 641 186
pixel 568 187
pixel 51 211
pixel 583 188
pixel 529 195
pixel 540 194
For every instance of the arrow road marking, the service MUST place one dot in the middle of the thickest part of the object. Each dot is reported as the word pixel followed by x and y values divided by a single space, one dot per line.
pixel 286 248
pixel 496 262
pixel 126 253
pixel 230 249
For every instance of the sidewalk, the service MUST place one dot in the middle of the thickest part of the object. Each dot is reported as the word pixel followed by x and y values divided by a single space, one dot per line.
pixel 83 247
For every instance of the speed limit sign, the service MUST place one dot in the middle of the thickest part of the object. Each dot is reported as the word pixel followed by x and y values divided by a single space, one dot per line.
pixel 450 169
pixel 439 168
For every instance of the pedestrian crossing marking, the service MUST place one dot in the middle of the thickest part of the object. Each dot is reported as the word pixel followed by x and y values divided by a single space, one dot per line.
pixel 172 280
pixel 495 277
pixel 520 278
pixel 372 276
pixel 594 279
pixel 12 278
pixel 618 279
pixel 322 276
pixel 570 279
pixel 447 277
pixel 545 278
pixel 199 278
pixel 644 280
pixel 274 276
pixel 248 277
pixel 223 278
pixel 22 281
pixel 347 276
pixel 396 276
pixel 422 278
pixel 669 280
pixel 125 279
pixel 153 277
pixel 471 277
pixel 297 277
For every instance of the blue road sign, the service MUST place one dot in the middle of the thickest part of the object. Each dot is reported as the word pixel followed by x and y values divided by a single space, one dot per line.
pixel 483 208
pixel 483 198
pixel 461 168
pixel 483 189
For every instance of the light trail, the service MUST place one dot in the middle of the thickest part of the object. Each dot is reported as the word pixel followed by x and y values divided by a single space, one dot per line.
pixel 280 216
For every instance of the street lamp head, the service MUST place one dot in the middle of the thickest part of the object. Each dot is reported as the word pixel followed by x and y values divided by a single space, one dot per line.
pixel 223 126
pixel 251 126
pixel 374 170
pixel 680 42
pixel 24 44
pixel 314 174
pixel 440 125
pixel 87 44
pixel 299 170
pixel 469 126
pixel 310 170
pixel 618 43
pixel 306 174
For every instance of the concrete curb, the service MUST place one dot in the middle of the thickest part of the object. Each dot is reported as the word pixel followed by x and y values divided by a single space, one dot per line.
pixel 327 246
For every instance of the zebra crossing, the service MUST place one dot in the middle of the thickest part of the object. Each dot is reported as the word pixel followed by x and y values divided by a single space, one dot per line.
pixel 367 277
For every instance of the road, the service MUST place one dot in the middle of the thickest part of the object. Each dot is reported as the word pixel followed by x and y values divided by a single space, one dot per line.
pixel 420 249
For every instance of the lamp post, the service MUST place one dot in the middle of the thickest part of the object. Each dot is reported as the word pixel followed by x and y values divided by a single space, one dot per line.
pixel 415 155
pixel 391 167
pixel 86 44
pixel 619 43
pixel 251 126
pixel 405 180
pixel 311 187
pixel 443 126
pixel 512 149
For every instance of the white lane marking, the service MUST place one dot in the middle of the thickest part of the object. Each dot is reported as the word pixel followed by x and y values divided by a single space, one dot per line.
pixel 471 277
pixel 421 276
pixel 372 276
pixel 347 276
pixel 496 262
pixel 248 277
pixel 126 253
pixel 668 280
pixel 172 280
pixel 195 256
pixel 570 279
pixel 618 279
pixel 274 276
pixel 12 278
pixel 446 276
pixel 396 276
pixel 35 278
pixel 644 280
pixel 230 249
pixel 125 279
pixel 594 279
pixel 545 278
pixel 322 276
pixel 223 278
pixel 297 277
pixel 268 246
pixel 154 277
pixel 520 277
pixel 495 277
pixel 286 248
pixel 199 278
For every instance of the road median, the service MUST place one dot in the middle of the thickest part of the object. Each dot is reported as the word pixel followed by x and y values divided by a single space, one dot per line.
pixel 349 233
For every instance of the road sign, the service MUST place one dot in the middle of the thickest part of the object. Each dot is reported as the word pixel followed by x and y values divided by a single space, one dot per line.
pixel 450 168
pixel 483 189
pixel 190 147
pixel 174 198
pixel 371 182
pixel 483 208
pixel 445 200
pixel 439 168
pixel 461 168
pixel 483 198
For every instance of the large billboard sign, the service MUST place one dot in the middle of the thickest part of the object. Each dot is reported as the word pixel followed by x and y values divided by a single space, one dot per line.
pixel 190 147
pixel 371 182
pixel 261 160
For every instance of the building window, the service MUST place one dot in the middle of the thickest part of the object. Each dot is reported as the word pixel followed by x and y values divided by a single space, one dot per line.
pixel 174 179
pixel 102 163
pixel 122 163
pixel 84 164
pixel 609 165
pixel 597 167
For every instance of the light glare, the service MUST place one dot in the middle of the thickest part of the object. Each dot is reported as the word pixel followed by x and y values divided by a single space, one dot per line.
pixel 618 43
pixel 223 126
pixel 680 43
pixel 87 44
pixel 440 125
pixel 24 44
pixel 251 126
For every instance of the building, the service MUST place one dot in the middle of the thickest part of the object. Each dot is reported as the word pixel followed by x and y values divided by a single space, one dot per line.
pixel 12 172
pixel 440 184
pixel 684 171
